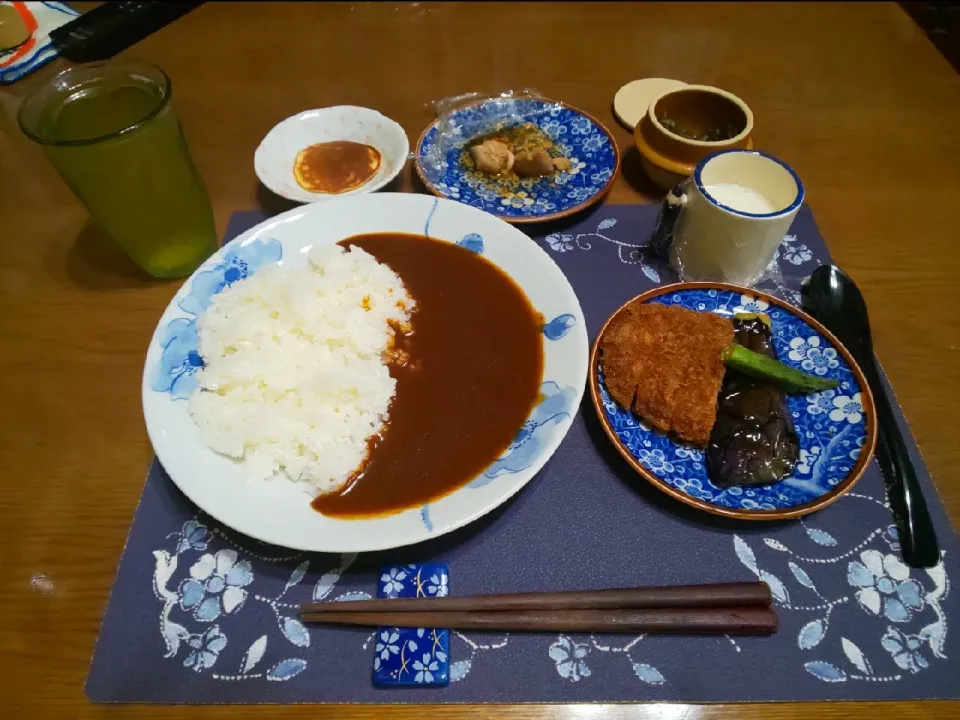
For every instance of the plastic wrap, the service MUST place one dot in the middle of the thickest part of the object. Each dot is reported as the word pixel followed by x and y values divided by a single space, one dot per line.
pixel 703 242
pixel 462 118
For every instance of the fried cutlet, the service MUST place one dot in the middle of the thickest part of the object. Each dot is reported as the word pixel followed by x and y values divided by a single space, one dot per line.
pixel 664 364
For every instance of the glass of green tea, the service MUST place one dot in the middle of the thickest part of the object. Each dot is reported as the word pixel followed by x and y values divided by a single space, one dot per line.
pixel 111 132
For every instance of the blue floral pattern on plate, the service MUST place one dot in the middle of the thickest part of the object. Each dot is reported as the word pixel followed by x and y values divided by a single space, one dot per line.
pixel 472 242
pixel 830 425
pixel 412 656
pixel 558 327
pixel 555 405
pixel 181 359
pixel 592 152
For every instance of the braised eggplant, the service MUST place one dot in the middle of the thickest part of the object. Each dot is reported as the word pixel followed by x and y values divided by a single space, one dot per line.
pixel 753 441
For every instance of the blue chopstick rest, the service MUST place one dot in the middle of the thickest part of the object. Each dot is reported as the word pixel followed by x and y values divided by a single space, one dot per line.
pixel 412 656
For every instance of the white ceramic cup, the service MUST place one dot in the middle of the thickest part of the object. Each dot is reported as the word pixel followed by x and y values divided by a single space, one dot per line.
pixel 726 221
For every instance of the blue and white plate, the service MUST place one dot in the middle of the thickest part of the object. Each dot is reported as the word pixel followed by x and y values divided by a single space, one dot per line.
pixel 592 151
pixel 836 428
pixel 278 511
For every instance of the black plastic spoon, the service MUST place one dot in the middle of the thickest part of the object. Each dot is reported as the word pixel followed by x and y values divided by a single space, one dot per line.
pixel 834 299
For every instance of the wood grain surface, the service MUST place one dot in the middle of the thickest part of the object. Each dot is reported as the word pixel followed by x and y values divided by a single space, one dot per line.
pixel 852 95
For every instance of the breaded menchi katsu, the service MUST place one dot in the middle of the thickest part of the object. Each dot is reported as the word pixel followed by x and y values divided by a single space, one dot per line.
pixel 664 363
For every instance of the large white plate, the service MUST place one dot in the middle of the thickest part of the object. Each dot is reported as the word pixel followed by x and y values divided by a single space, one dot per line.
pixel 278 511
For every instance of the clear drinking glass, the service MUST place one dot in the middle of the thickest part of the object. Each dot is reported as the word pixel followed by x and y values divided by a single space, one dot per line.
pixel 111 132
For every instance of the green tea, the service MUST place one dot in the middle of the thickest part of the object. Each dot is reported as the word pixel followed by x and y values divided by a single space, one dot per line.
pixel 117 143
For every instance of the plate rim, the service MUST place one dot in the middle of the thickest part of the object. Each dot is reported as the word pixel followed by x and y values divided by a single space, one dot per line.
pixel 469 517
pixel 842 488
pixel 593 200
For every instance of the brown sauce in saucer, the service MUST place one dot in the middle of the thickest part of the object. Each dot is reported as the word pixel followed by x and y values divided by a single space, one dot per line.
pixel 335 167
pixel 474 368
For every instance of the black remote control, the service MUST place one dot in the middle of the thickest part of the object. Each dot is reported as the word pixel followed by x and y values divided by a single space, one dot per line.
pixel 114 26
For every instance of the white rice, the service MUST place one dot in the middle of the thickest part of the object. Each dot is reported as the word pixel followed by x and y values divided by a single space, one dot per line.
pixel 295 377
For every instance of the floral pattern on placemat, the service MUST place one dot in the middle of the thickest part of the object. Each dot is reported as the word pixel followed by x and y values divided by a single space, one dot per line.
pixel 906 622
pixel 207 585
pixel 902 606
pixel 787 260
pixel 207 594
pixel 199 614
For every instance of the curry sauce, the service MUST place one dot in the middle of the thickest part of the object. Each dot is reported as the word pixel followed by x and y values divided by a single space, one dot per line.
pixel 335 167
pixel 472 375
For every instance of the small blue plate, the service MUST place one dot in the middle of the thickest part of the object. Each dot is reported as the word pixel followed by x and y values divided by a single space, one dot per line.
pixel 585 141
pixel 836 428
pixel 412 656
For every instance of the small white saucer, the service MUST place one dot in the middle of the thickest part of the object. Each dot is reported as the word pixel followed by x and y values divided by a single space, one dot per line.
pixel 273 161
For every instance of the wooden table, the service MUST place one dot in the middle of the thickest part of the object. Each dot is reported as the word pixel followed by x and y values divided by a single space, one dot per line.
pixel 852 95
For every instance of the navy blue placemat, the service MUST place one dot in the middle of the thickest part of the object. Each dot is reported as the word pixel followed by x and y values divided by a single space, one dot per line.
pixel 200 614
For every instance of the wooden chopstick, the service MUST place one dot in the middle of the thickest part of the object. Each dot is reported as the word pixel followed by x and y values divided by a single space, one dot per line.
pixel 747 620
pixel 679 596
